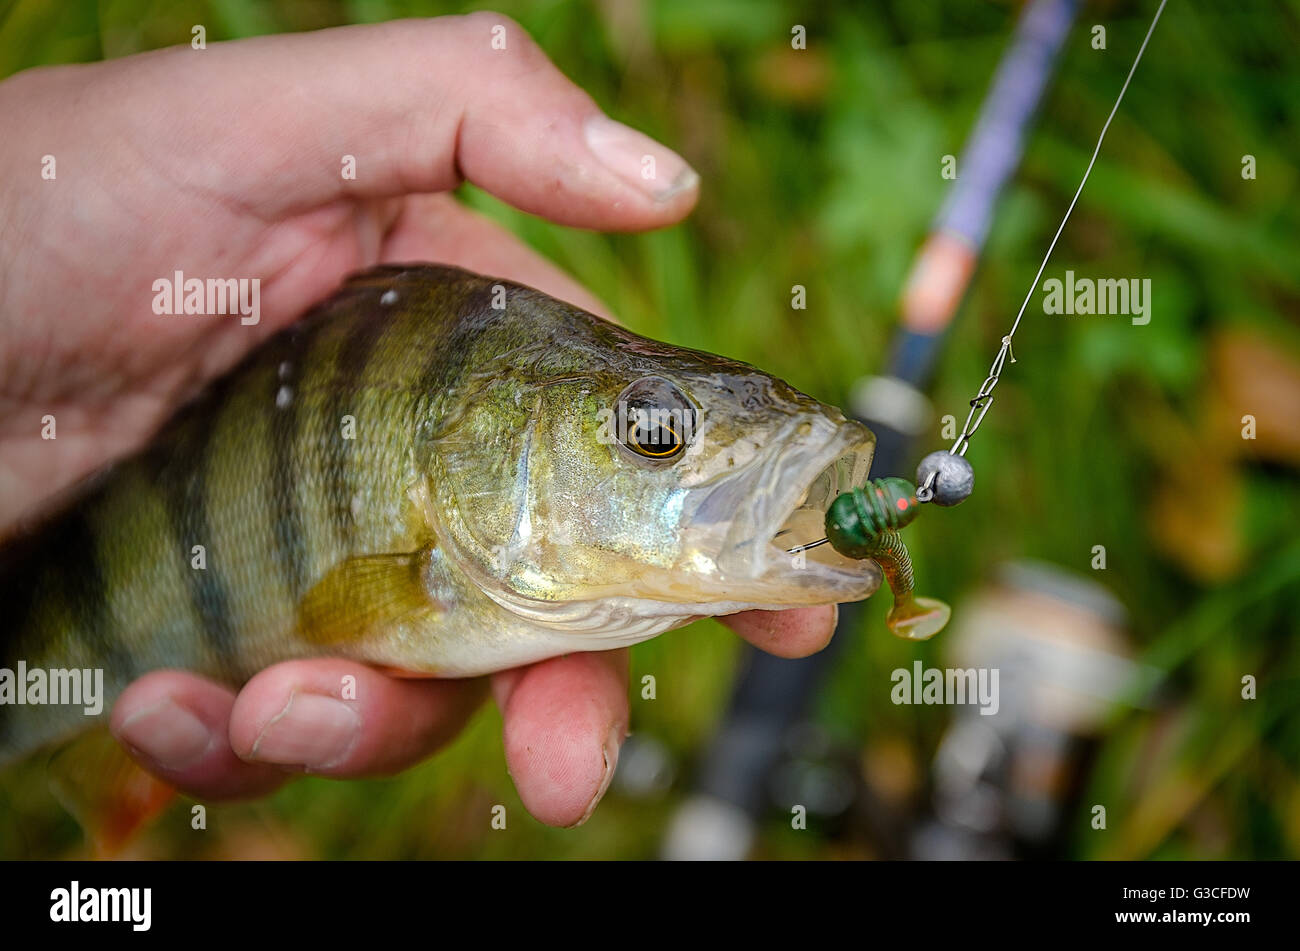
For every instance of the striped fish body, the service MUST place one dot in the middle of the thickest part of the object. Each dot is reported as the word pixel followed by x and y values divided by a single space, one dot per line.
pixel 412 475
pixel 198 552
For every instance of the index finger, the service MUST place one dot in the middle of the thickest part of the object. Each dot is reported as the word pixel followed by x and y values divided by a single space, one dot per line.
pixel 418 105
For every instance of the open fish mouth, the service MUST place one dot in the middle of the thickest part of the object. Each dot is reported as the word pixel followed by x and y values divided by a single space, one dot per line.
pixel 801 479
pixel 805 522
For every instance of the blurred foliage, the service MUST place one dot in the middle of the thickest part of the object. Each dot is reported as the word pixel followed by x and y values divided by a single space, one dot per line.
pixel 822 168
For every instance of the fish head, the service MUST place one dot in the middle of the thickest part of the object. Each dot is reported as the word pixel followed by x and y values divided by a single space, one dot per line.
pixel 607 468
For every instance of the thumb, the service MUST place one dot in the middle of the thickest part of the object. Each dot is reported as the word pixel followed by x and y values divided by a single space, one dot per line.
pixel 419 105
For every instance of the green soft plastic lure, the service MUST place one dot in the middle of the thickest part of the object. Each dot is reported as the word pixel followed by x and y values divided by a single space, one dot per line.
pixel 864 523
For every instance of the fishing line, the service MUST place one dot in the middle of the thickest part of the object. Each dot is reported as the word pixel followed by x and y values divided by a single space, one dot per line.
pixel 946 477
pixel 984 397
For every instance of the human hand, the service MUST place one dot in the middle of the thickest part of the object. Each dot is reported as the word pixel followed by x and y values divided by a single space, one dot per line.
pixel 227 162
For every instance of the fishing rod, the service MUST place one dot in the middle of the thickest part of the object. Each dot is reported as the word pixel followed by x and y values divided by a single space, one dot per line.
pixel 771 693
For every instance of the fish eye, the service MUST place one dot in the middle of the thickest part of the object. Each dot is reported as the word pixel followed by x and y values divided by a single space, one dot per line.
pixel 654 420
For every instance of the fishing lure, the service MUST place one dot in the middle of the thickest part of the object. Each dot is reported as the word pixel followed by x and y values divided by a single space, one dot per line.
pixel 864 523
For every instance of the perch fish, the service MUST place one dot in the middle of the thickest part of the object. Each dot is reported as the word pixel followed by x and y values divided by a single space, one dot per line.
pixel 441 474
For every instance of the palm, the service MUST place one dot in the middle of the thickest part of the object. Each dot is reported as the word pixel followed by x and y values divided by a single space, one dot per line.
pixel 95 355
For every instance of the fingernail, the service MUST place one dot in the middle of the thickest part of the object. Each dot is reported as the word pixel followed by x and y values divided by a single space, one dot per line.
pixel 638 159
pixel 312 732
pixel 613 743
pixel 168 734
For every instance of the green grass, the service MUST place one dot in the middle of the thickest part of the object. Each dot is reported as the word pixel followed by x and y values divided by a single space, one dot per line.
pixel 821 168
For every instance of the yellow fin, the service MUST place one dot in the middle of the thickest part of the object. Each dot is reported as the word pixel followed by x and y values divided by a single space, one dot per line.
pixel 362 596
pixel 105 791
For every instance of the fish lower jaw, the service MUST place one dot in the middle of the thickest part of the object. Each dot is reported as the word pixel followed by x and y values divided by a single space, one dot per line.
pixel 819 575
pixel 613 622
pixel 602 623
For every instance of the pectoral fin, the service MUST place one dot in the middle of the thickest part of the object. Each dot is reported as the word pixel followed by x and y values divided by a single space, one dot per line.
pixel 362 597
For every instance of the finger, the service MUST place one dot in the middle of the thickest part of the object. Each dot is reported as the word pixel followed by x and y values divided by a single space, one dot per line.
pixel 176 726
pixel 796 632
pixel 418 104
pixel 439 228
pixel 341 718
pixel 565 720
